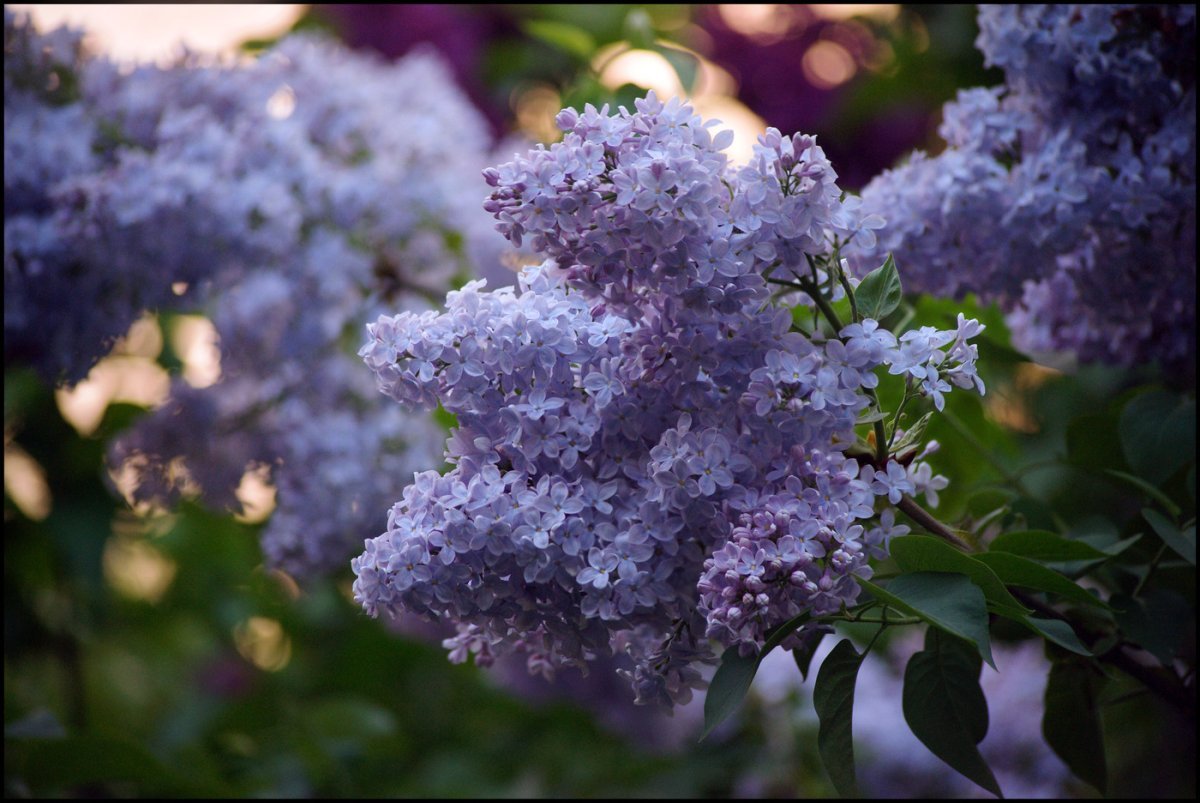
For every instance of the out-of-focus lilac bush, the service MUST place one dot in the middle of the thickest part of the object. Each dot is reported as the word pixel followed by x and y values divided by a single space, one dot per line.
pixel 1068 194
pixel 286 197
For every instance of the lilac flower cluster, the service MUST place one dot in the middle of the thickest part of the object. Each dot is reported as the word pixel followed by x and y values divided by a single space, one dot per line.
pixel 292 195
pixel 650 454
pixel 1069 193
pixel 59 316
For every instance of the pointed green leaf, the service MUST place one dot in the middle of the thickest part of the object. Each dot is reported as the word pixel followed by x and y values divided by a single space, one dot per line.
pixel 912 437
pixel 1157 621
pixel 1146 488
pixel 1057 631
pixel 1158 434
pixel 1015 570
pixel 685 65
pixel 879 293
pixel 945 707
pixel 1045 546
pixel 728 687
pixel 1182 542
pixel 736 672
pixel 947 601
pixel 924 553
pixel 1071 723
pixel 833 699
pixel 803 654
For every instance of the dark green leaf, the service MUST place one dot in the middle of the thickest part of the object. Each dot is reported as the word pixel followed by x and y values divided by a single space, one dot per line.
pixel 776 636
pixel 803 654
pixel 833 699
pixel 1057 631
pixel 1158 434
pixel 736 672
pixel 1147 489
pixel 945 707
pixel 1015 570
pixel 1184 543
pixel 64 763
pixel 1092 441
pixel 1071 723
pixel 923 553
pixel 879 293
pixel 1157 621
pixel 1045 546
pixel 729 685
pixel 948 601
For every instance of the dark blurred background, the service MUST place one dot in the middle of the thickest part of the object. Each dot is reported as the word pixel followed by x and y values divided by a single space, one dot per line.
pixel 154 654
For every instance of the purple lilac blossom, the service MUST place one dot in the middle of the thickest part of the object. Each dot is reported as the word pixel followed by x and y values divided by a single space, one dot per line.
pixel 1068 194
pixel 295 194
pixel 649 455
pixel 66 301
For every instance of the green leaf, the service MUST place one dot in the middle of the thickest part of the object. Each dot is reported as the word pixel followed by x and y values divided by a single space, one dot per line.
pixel 1092 441
pixel 1057 631
pixel 1158 434
pixel 1044 546
pixel 923 553
pixel 833 699
pixel 803 654
pixel 73 761
pixel 736 672
pixel 1015 570
pixel 728 687
pixel 562 36
pixel 1183 542
pixel 1146 488
pixel 776 636
pixel 1071 723
pixel 912 437
pixel 1157 621
pixel 947 601
pixel 945 707
pixel 879 293
pixel 685 65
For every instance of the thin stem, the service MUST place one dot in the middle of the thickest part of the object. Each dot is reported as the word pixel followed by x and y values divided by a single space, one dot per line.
pixel 826 308
pixel 923 517
pixel 899 409
pixel 814 292
pixel 849 294
pixel 1164 683
pixel 1153 567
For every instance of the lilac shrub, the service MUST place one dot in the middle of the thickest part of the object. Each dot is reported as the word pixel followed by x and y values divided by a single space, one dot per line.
pixel 286 197
pixel 1068 194
pixel 651 452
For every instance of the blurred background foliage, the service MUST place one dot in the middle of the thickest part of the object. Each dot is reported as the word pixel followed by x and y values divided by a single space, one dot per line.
pixel 152 653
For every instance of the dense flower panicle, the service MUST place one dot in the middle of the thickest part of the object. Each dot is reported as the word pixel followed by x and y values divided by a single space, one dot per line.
pixel 648 454
pixel 1069 193
pixel 287 197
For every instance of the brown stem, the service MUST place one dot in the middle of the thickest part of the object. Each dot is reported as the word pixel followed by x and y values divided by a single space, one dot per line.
pixel 1164 684
pixel 921 516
